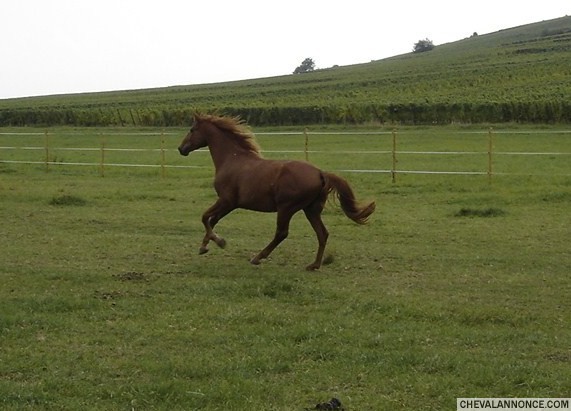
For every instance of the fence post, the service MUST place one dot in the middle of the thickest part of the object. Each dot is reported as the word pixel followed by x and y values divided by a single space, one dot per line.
pixel 102 161
pixel 306 147
pixel 47 150
pixel 394 153
pixel 490 153
pixel 163 154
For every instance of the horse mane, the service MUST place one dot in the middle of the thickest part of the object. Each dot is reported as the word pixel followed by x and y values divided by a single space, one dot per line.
pixel 236 127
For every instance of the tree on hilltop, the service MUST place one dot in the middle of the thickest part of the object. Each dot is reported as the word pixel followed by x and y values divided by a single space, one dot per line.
pixel 306 66
pixel 423 45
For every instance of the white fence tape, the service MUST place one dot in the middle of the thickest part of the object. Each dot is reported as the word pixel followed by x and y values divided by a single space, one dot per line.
pixel 345 152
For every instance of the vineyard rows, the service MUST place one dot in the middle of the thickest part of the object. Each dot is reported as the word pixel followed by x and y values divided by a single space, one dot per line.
pixel 516 75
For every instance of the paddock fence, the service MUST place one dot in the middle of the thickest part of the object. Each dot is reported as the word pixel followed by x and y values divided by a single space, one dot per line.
pixel 159 147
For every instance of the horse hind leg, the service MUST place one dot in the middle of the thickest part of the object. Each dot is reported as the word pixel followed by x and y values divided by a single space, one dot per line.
pixel 313 214
pixel 282 230
pixel 209 219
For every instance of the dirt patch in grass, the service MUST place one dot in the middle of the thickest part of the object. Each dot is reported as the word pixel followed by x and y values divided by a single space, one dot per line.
pixel 67 200
pixel 476 212
pixel 131 276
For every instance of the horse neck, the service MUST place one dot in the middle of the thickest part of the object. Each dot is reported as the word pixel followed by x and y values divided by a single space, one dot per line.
pixel 224 147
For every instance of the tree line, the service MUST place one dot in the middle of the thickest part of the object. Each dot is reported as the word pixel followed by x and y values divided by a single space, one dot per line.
pixel 557 111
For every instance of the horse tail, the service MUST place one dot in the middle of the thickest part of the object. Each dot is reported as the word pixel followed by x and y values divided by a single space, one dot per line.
pixel 359 213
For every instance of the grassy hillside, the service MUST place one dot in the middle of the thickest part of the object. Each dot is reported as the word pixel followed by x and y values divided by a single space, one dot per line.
pixel 520 74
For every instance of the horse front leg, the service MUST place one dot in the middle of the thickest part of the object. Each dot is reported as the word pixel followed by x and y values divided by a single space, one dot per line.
pixel 209 219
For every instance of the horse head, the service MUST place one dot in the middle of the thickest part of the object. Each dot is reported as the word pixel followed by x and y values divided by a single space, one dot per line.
pixel 195 139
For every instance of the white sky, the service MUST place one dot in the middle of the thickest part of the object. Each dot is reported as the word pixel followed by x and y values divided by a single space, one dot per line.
pixel 69 46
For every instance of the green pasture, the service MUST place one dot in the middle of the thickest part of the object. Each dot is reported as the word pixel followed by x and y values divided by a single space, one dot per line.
pixel 459 286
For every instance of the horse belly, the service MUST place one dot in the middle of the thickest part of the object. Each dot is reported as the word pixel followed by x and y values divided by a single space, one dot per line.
pixel 257 195
pixel 272 184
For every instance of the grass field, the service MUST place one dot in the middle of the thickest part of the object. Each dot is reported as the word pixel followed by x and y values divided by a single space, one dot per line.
pixel 457 288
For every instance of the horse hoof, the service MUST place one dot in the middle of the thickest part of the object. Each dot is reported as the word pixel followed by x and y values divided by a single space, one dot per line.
pixel 312 267
pixel 221 242
pixel 255 261
pixel 203 250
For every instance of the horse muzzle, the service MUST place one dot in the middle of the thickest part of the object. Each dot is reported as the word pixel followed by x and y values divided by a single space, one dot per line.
pixel 183 151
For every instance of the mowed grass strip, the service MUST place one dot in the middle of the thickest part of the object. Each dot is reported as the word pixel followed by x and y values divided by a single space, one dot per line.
pixel 106 304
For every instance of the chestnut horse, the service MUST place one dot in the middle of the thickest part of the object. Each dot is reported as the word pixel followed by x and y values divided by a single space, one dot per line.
pixel 243 179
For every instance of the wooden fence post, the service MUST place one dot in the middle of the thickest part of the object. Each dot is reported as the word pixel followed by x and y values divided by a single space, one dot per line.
pixel 47 150
pixel 163 154
pixel 394 153
pixel 490 153
pixel 102 161
pixel 306 147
